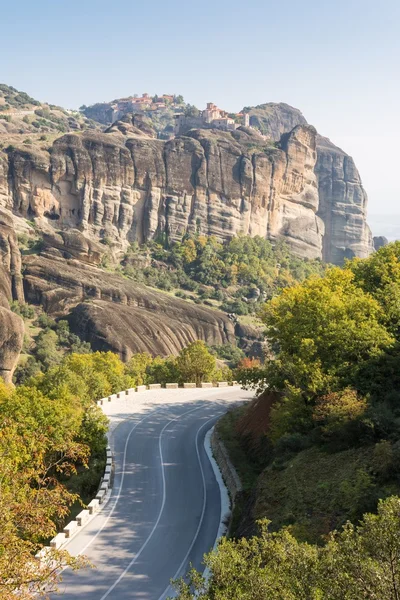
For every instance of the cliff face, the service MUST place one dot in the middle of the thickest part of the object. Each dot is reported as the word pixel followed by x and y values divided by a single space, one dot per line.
pixel 127 186
pixel 342 205
pixel 342 198
pixel 135 187
pixel 11 325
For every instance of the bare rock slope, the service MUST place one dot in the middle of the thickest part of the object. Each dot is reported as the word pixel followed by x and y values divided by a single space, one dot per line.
pixel 116 314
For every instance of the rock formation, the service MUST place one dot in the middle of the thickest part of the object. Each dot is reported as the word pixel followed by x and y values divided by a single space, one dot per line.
pixel 342 198
pixel 128 188
pixel 380 241
pixel 11 325
pixel 117 314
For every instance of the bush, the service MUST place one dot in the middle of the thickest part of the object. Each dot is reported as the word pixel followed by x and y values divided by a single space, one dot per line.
pixel 235 306
pixel 228 352
pixel 292 443
pixel 23 310
pixel 45 321
pixel 339 416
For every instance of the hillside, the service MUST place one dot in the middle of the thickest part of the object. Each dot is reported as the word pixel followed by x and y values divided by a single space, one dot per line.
pixel 318 450
pixel 320 446
pixel 27 122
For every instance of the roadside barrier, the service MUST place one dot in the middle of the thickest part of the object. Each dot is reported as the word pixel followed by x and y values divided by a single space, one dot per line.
pixel 73 527
pixel 228 471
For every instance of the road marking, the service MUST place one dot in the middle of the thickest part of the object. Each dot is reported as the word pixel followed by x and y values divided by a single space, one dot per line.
pixel 162 504
pixel 122 479
pixel 196 535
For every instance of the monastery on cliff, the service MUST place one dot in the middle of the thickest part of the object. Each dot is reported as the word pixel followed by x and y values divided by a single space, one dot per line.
pixel 212 117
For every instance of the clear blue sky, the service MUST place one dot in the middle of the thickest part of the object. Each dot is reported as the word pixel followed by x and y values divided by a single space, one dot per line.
pixel 337 60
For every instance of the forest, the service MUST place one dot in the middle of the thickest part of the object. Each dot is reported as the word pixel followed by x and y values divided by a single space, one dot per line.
pixel 329 448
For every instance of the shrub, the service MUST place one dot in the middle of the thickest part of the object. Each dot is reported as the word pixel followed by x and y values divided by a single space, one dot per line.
pixel 196 363
pixel 45 321
pixel 339 416
pixel 292 442
pixel 23 310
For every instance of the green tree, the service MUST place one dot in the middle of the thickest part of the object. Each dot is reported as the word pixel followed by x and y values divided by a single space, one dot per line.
pixel 163 370
pixel 136 368
pixel 325 329
pixel 364 561
pixel 195 363
pixel 358 562
pixel 38 444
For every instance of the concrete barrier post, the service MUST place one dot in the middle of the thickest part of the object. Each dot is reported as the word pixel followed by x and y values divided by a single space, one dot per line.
pixel 141 388
pixel 58 540
pixel 171 386
pixel 206 384
pixel 222 384
pixel 189 385
pixel 154 386
pixel 83 517
pixel 70 528
pixel 93 506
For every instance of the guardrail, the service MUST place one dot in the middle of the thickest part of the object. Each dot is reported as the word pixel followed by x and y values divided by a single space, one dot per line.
pixel 167 386
pixel 81 519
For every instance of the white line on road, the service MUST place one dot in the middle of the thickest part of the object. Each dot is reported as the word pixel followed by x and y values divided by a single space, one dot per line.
pixel 122 479
pixel 196 535
pixel 162 505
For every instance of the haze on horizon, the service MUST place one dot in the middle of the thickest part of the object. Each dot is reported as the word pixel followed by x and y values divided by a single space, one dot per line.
pixel 337 62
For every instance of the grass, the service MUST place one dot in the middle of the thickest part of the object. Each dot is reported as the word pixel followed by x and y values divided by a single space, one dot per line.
pixel 252 320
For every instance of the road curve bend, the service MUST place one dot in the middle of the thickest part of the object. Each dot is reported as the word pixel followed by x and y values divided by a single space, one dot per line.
pixel 165 506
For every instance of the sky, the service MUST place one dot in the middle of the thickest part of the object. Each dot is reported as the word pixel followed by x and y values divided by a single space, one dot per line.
pixel 338 61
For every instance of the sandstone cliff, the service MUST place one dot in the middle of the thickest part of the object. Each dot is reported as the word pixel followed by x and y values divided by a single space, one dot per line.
pixel 342 198
pixel 11 325
pixel 133 187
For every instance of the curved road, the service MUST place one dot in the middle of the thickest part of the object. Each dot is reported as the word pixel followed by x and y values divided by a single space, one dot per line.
pixel 165 507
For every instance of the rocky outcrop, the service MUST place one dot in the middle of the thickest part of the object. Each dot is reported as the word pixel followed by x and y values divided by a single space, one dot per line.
pixel 116 314
pixel 274 119
pixel 124 185
pixel 342 205
pixel 72 244
pixel 11 325
pixel 137 188
pixel 342 198
pixel 380 241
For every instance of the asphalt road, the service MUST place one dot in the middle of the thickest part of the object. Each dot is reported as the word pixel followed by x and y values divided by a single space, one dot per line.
pixel 165 507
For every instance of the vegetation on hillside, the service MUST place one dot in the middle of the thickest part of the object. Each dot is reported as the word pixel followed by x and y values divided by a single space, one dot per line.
pixel 329 449
pixel 358 562
pixel 50 431
pixel 237 276
pixel 27 122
